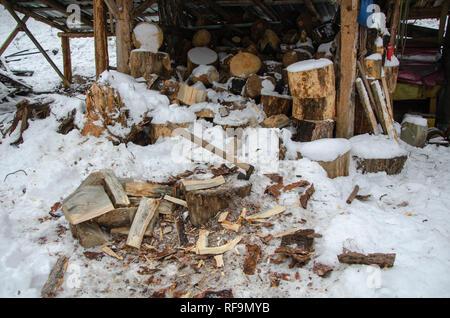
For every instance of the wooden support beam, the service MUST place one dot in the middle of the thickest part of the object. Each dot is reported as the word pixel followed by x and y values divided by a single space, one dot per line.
pixel 123 35
pixel 13 34
pixel 345 108
pixel 137 12
pixel 100 37
pixel 442 20
pixel 58 6
pixel 266 10
pixel 33 39
pixel 395 20
pixel 37 17
pixel 67 60
pixel 113 8
pixel 218 9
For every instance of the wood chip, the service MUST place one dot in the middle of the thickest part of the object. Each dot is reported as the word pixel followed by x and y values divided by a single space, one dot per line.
pixel 110 252
pixel 219 260
pixel 202 249
pixel 273 211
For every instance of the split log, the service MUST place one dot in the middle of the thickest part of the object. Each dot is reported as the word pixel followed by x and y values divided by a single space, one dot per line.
pixel 164 130
pixel 86 203
pixel 200 56
pixel 145 215
pixel 207 74
pixel 201 38
pixel 55 278
pixel 382 260
pixel 203 249
pixel 312 86
pixel 117 218
pixel 190 95
pixel 294 56
pixel 244 64
pixel 276 121
pixel 390 165
pixel 175 200
pixel 145 189
pixel 227 225
pixel 276 104
pixel 254 85
pixel 192 185
pixel 147 36
pixel 373 65
pixel 365 101
pixel 383 113
pixel 304 198
pixel 114 189
pixel 267 214
pixel 338 167
pixel 125 230
pixel 270 43
pixel 309 130
pixel 145 63
pixel 204 204
pixel 89 234
pixel 252 258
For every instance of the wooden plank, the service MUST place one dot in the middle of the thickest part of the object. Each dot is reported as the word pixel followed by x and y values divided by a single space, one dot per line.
pixel 345 108
pixel 386 122
pixel 144 189
pixel 86 203
pixel 192 185
pixel 364 97
pixel 271 212
pixel 55 278
pixel 175 200
pixel 145 214
pixel 115 190
pixel 67 60
pixel 12 35
pixel 100 37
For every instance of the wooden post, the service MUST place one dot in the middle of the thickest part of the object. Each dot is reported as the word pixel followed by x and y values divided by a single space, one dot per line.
pixel 123 35
pixel 67 60
pixel 443 18
pixel 101 38
pixel 345 108
pixel 12 35
pixel 394 24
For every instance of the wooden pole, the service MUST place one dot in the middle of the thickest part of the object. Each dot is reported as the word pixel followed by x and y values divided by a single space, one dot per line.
pixel 33 39
pixel 123 35
pixel 100 37
pixel 67 60
pixel 395 23
pixel 13 34
pixel 345 108
pixel 443 18
pixel 142 7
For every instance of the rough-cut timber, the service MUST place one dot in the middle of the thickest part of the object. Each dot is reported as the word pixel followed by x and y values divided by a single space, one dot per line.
pixel 117 218
pixel 115 189
pixel 145 63
pixel 123 35
pixel 389 165
pixel 89 234
pixel 146 213
pixel 380 259
pixel 145 189
pixel 204 204
pixel 338 167
pixel 55 278
pixel 276 105
pixel 365 101
pixel 244 64
pixel 309 130
pixel 100 37
pixel 86 203
pixel 313 93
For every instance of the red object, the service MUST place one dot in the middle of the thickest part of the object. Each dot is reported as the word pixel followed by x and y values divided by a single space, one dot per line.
pixel 390 51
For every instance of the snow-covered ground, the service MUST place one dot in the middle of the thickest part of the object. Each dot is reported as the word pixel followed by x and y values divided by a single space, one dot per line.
pixel 407 214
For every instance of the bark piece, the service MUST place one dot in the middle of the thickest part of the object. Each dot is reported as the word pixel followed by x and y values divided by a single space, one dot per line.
pixel 301 183
pixel 115 189
pixel 322 270
pixel 86 203
pixel 55 278
pixel 309 130
pixel 147 212
pixel 252 258
pixel 304 198
pixel 182 239
pixel 145 189
pixel 352 195
pixel 191 185
pixel 380 259
pixel 89 234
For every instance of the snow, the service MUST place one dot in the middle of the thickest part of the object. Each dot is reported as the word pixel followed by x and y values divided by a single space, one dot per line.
pixel 393 62
pixel 308 65
pixel 374 56
pixel 325 48
pixel 376 147
pixel 415 119
pixel 202 56
pixel 407 214
pixel 326 149
pixel 147 34
pixel 202 70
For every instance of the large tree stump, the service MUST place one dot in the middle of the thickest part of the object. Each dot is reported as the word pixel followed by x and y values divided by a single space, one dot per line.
pixel 309 130
pixel 275 105
pixel 245 64
pixel 389 165
pixel 204 204
pixel 201 56
pixel 145 63
pixel 311 83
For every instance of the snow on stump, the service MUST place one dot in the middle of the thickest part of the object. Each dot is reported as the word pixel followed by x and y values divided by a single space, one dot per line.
pixel 146 60
pixel 333 154
pixel 372 65
pixel 311 83
pixel 245 64
pixel 201 56
pixel 414 130
pixel 377 153
pixel 310 130
pixel 206 74
pixel 391 73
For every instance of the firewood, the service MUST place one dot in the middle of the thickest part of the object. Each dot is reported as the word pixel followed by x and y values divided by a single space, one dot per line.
pixel 125 230
pixel 145 189
pixel 147 36
pixel 200 56
pixel 258 29
pixel 267 214
pixel 55 278
pixel 175 200
pixel 201 38
pixel 219 260
pixel 338 167
pixel 290 37
pixel 276 105
pixel 203 249
pixel 86 203
pixel 244 64
pixel 365 101
pixel 380 259
pixel 390 165
pixel 309 130
pixel 373 66
pixel 114 189
pixel 164 130
pixel 383 113
pixel 89 234
pixel 117 218
pixel 191 185
pixel 145 215
pixel 254 85
pixel 294 56
pixel 205 74
pixel 270 42
pixel 312 86
pixel 110 252
pixel 145 64
pixel 352 195
pixel 235 227
pixel 304 198
pixel 236 85
pixel 276 121
pixel 252 258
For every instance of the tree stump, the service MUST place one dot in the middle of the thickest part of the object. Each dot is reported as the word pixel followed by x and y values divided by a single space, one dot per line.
pixel 145 63
pixel 311 83
pixel 201 56
pixel 338 167
pixel 244 64
pixel 390 165
pixel 309 130
pixel 204 204
pixel 275 105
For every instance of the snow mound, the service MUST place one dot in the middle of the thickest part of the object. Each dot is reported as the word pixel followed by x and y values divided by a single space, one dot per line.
pixel 415 119
pixel 327 149
pixel 376 147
